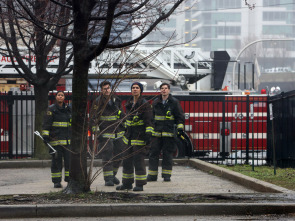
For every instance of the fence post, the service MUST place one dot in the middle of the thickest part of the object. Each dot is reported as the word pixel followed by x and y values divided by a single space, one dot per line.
pixel 273 137
pixel 252 118
pixel 10 102
pixel 236 141
pixel 247 129
pixel 223 131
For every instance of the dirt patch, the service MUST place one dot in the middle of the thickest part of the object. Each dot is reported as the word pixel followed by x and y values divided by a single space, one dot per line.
pixel 106 197
pixel 126 197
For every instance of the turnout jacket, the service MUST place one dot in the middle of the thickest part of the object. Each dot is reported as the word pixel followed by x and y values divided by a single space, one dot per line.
pixel 138 121
pixel 57 125
pixel 166 115
pixel 107 117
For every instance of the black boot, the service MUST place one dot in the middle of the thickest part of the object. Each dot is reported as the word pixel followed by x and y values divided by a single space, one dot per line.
pixel 109 183
pixel 167 179
pixel 57 185
pixel 124 187
pixel 151 178
pixel 116 180
pixel 138 188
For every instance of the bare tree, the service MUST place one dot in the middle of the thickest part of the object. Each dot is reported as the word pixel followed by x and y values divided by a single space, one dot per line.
pixel 101 17
pixel 32 50
pixel 97 25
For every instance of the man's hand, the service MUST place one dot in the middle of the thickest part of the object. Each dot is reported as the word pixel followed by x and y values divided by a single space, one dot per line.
pixel 51 152
pixel 46 142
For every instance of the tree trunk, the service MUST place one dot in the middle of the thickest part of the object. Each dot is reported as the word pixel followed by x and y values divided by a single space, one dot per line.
pixel 78 165
pixel 41 104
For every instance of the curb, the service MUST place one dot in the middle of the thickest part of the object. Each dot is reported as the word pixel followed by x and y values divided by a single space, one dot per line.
pixel 103 210
pixel 246 181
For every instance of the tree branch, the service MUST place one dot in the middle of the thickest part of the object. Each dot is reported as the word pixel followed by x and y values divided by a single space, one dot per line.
pixel 93 18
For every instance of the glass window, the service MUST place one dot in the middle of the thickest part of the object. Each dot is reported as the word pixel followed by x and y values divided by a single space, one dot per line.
pixel 188 37
pixel 187 26
pixel 207 32
pixel 217 45
pixel 206 18
pixel 206 44
pixel 277 30
pixel 228 3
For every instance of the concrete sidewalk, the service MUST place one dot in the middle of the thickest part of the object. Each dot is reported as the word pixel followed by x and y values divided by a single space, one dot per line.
pixel 185 179
pixel 189 176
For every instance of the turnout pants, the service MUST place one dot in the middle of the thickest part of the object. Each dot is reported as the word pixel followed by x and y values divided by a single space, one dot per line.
pixel 167 146
pixel 111 153
pixel 57 164
pixel 134 158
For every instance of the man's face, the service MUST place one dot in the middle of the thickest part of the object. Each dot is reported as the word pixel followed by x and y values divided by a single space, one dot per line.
pixel 165 91
pixel 60 97
pixel 106 89
pixel 135 90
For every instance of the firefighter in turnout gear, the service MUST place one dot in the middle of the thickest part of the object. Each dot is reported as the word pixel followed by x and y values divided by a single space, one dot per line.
pixel 106 122
pixel 137 139
pixel 167 112
pixel 57 132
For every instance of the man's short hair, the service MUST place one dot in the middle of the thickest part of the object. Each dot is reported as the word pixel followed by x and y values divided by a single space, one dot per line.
pixel 60 92
pixel 168 85
pixel 104 83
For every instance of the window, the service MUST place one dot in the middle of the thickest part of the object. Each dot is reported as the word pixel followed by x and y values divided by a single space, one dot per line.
pixel 207 32
pixel 228 4
pixel 228 30
pixel 285 30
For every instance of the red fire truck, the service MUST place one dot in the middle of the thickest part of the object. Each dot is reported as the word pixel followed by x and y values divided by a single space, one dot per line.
pixel 241 119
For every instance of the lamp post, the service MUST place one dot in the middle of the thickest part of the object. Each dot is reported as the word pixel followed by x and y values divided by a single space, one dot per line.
pixel 248 45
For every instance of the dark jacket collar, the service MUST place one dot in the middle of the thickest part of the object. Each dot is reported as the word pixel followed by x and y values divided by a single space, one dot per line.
pixel 159 100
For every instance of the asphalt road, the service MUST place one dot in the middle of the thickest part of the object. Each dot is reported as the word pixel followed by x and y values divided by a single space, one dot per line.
pixel 268 217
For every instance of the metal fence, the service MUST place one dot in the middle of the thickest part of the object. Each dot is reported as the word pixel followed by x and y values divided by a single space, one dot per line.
pixel 281 130
pixel 223 129
pixel 17 124
pixel 227 129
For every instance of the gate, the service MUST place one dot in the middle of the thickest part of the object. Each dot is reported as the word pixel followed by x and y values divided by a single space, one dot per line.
pixel 283 128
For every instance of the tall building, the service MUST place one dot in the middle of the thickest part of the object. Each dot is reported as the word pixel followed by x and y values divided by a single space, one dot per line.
pixel 230 25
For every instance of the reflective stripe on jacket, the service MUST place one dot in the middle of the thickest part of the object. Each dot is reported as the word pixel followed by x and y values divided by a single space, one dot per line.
pixel 57 125
pixel 106 117
pixel 166 115
pixel 138 122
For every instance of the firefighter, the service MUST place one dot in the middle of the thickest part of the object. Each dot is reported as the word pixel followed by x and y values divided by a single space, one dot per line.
pixel 57 132
pixel 107 123
pixel 137 139
pixel 166 112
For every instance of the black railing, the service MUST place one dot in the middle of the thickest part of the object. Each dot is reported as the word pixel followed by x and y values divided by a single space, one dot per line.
pixel 281 130
pixel 221 127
